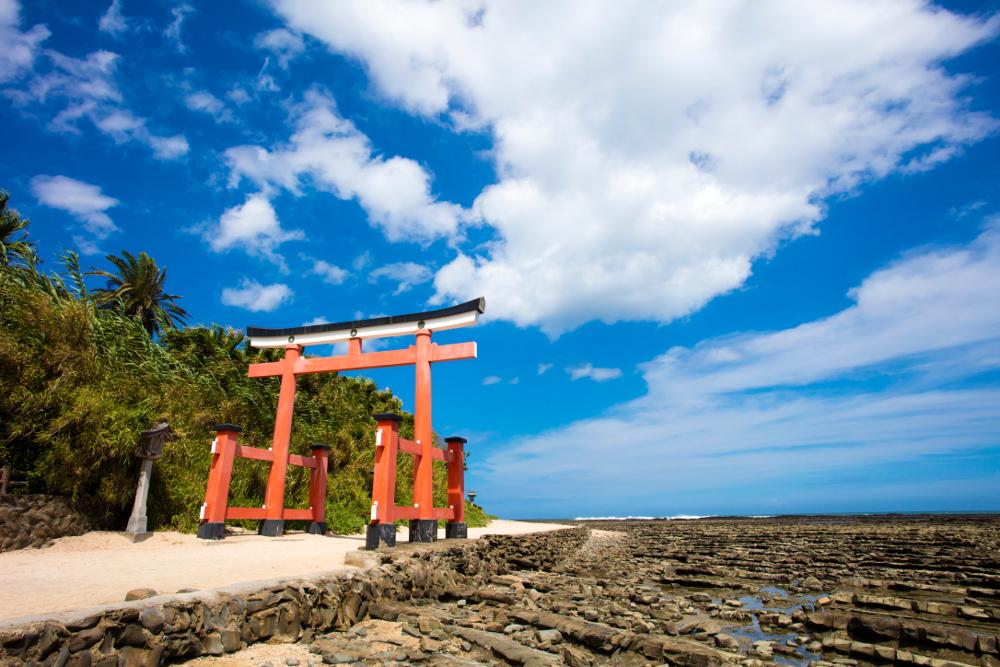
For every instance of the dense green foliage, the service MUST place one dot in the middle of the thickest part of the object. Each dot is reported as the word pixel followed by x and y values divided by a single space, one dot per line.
pixel 80 381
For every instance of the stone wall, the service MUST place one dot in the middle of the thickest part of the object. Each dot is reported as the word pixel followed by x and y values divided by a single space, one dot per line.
pixel 168 628
pixel 36 520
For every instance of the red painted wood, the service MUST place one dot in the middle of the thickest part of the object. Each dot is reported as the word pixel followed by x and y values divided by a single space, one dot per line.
pixel 246 513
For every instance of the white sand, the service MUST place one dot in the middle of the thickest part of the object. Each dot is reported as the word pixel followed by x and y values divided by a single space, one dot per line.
pixel 99 568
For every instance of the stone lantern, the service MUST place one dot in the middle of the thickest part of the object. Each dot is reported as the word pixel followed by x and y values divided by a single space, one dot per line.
pixel 150 449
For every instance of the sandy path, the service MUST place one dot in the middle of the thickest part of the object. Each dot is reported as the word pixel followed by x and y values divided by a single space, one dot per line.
pixel 99 568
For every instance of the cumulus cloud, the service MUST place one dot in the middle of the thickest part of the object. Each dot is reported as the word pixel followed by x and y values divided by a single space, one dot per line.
pixel 492 379
pixel 588 370
pixel 283 44
pixel 544 368
pixel 112 21
pixel 83 201
pixel 886 381
pixel 641 176
pixel 19 48
pixel 253 227
pixel 257 298
pixel 404 274
pixel 337 157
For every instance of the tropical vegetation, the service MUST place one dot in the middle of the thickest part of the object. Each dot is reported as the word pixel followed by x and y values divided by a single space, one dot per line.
pixel 83 371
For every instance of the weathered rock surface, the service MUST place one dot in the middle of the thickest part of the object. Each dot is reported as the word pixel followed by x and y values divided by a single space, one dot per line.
pixel 826 591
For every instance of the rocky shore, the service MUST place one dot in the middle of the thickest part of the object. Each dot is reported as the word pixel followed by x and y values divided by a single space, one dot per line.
pixel 811 590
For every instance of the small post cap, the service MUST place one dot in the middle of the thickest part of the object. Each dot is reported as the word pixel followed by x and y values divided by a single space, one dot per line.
pixel 227 427
pixel 387 417
pixel 456 438
pixel 320 446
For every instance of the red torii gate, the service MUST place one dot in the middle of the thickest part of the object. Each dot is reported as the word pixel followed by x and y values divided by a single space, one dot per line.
pixel 423 515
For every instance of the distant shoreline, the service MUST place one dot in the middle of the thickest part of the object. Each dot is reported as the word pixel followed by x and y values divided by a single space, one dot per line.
pixel 698 517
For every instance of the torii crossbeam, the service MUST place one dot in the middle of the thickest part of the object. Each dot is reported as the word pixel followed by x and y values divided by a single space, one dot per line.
pixel 423 516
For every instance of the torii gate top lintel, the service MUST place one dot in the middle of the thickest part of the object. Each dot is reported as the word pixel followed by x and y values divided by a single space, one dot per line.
pixel 462 315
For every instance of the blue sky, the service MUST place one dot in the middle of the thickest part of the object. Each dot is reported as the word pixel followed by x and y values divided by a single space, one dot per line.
pixel 738 258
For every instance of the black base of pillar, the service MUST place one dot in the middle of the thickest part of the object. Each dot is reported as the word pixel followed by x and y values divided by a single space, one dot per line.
pixel 456 531
pixel 271 527
pixel 380 532
pixel 423 530
pixel 211 531
pixel 317 528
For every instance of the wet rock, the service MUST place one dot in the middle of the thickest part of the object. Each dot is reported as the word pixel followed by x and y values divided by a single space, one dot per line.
pixel 812 584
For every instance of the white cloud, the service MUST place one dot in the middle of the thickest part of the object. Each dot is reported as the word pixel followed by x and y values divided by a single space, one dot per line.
pixel 86 89
pixel 20 49
pixel 205 102
pixel 588 370
pixel 82 200
pixel 253 227
pixel 112 21
pixel 330 273
pixel 78 80
pixel 253 296
pixel 395 192
pixel 315 321
pixel 404 274
pixel 641 176
pixel 86 246
pixel 884 381
pixel 492 379
pixel 238 95
pixel 282 43
pixel 173 31
pixel 165 148
pixel 544 368
pixel 362 261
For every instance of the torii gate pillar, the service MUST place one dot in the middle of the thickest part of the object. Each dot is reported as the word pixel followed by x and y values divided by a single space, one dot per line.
pixel 424 527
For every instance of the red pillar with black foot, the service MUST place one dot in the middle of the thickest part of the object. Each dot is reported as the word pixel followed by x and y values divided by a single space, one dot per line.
pixel 317 489
pixel 456 528
pixel 213 512
pixel 424 527
pixel 381 527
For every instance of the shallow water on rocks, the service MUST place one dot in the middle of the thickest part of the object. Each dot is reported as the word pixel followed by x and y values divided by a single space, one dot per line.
pixel 778 590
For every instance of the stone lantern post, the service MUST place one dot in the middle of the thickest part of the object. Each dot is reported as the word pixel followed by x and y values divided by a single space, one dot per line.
pixel 150 449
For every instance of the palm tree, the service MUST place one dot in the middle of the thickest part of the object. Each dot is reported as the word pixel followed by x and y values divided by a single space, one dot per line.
pixel 11 249
pixel 137 289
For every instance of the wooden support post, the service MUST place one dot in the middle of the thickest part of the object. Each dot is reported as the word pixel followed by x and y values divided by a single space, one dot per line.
pixel 381 528
pixel 213 512
pixel 424 527
pixel 456 526
pixel 273 524
pixel 317 489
